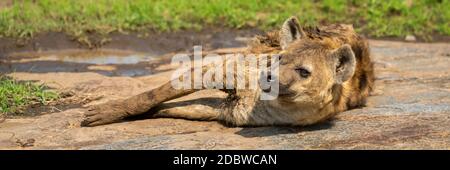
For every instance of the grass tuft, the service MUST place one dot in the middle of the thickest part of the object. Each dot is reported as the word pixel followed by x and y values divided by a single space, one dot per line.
pixel 17 95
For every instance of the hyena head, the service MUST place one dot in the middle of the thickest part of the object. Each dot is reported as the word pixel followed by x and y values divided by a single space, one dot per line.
pixel 309 69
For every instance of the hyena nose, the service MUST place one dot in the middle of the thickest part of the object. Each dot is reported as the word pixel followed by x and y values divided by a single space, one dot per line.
pixel 269 77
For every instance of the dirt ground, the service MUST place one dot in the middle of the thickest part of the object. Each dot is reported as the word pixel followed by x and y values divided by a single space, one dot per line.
pixel 410 108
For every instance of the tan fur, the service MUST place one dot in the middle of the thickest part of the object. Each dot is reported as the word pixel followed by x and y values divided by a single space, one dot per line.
pixel 328 53
pixel 350 94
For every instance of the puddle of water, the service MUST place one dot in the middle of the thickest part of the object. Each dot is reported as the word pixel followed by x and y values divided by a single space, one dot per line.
pixel 107 59
pixel 102 57
pixel 106 62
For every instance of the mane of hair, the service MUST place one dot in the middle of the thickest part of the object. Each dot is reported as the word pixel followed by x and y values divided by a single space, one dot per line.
pixel 315 37
pixel 267 43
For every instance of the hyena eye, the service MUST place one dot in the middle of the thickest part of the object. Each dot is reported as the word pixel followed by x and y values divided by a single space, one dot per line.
pixel 303 72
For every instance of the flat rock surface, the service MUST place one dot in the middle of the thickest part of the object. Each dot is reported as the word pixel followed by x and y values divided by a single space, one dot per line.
pixel 409 109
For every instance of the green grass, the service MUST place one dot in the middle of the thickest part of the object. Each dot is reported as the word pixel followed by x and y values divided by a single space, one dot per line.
pixel 25 18
pixel 16 95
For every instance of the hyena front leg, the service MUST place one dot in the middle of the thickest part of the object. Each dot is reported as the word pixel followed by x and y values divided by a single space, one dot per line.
pixel 198 109
pixel 116 110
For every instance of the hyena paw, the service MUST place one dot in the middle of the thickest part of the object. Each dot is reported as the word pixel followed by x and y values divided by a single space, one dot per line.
pixel 104 114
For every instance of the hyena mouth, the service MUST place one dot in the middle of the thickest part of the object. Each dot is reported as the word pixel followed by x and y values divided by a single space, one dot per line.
pixel 286 95
pixel 285 92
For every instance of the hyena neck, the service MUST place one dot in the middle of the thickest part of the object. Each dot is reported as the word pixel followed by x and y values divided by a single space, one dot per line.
pixel 245 108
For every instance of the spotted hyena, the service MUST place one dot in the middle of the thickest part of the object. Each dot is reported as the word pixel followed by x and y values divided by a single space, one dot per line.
pixel 322 71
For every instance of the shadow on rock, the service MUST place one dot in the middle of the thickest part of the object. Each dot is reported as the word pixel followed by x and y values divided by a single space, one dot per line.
pixel 251 132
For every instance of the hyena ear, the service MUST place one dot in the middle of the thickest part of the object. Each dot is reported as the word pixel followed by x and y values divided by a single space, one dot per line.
pixel 344 62
pixel 290 31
